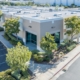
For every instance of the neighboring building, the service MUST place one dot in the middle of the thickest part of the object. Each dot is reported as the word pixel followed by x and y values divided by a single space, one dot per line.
pixel 51 2
pixel 34 23
pixel 58 2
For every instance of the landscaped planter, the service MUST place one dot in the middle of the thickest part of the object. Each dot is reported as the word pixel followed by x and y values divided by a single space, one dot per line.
pixel 62 50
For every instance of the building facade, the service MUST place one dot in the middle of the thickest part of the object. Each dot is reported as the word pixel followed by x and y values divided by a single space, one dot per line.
pixel 34 23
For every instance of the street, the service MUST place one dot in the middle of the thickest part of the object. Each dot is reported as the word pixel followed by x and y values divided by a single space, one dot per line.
pixel 73 72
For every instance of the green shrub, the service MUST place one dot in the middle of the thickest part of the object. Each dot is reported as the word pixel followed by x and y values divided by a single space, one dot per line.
pixel 25 75
pixel 21 42
pixel 5 75
pixel 66 41
pixel 13 40
pixel 6 36
pixel 25 78
pixel 1 29
pixel 38 58
pixel 41 56
pixel 65 6
pixel 47 59
pixel 16 74
pixel 35 57
pixel 41 53
pixel 8 71
pixel 71 47
pixel 35 51
pixel 8 77
pixel 63 44
pixel 2 73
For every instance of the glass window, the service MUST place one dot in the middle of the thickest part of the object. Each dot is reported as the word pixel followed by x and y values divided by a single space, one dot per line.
pixel 56 37
pixel 31 38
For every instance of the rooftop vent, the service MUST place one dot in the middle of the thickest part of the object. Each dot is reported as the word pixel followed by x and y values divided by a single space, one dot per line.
pixel 50 10
pixel 73 12
pixel 58 14
pixel 18 11
pixel 37 15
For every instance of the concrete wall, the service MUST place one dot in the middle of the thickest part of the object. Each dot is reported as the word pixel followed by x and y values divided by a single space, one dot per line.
pixel 40 29
pixel 50 27
pixel 35 28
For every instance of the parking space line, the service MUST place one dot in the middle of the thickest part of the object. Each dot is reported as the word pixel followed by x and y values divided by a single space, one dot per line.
pixel 2 55
pixel 2 49
pixel 2 63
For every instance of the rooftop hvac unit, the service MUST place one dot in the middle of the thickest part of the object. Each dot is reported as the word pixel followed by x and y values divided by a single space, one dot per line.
pixel 18 11
pixel 73 12
pixel 50 10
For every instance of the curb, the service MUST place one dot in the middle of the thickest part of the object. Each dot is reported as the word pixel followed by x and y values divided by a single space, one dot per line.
pixel 3 44
pixel 64 66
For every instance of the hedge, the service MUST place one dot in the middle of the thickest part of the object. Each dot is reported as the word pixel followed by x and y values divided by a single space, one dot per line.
pixel 13 40
pixel 16 74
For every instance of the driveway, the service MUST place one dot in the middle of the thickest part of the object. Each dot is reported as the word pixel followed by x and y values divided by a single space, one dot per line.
pixel 3 52
pixel 73 72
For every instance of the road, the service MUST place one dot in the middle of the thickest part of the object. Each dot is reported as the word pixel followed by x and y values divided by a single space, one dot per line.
pixel 3 52
pixel 73 72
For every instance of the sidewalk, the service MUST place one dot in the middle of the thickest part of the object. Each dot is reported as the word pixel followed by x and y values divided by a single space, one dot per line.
pixel 4 41
pixel 50 72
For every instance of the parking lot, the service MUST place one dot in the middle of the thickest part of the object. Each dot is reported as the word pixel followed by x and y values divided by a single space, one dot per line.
pixel 3 52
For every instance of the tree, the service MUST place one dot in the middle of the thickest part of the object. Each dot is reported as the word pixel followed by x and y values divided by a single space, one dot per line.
pixel 48 43
pixel 30 3
pixel 17 57
pixel 1 13
pixel 73 26
pixel 47 5
pixel 12 25
pixel 56 7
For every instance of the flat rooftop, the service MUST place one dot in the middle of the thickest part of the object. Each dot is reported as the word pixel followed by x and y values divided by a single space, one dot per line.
pixel 41 13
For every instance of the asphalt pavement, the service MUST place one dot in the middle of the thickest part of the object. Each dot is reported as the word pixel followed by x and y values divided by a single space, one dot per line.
pixel 3 52
pixel 73 73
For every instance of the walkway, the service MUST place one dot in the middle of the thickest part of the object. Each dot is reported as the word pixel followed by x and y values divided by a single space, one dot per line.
pixel 47 72
pixel 4 41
